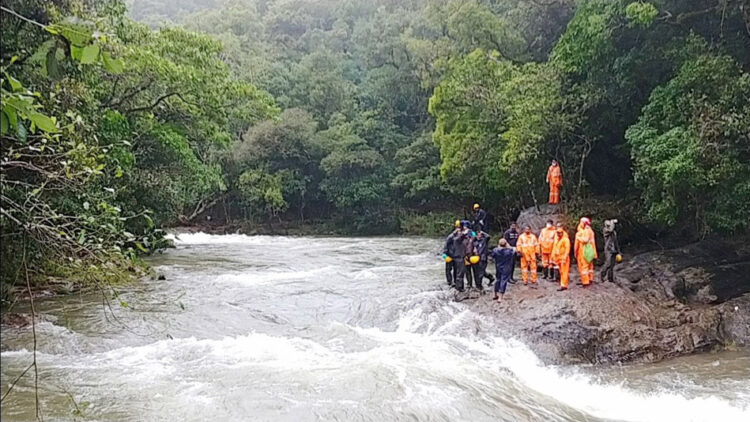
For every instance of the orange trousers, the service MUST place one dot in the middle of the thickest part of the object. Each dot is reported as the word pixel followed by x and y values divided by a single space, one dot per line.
pixel 528 264
pixel 585 269
pixel 546 260
pixel 564 268
pixel 554 194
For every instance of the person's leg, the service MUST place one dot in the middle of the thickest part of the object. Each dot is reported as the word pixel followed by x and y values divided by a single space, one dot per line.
pixel 449 272
pixel 459 274
pixel 532 268
pixel 607 268
pixel 512 280
pixel 582 269
pixel 565 274
pixel 468 273
pixel 525 269
pixel 554 194
pixel 478 275
pixel 588 269
pixel 487 274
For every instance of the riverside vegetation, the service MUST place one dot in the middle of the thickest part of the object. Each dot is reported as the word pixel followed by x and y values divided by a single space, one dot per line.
pixel 374 116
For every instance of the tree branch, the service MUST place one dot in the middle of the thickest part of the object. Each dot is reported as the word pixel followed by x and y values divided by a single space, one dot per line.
pixel 155 103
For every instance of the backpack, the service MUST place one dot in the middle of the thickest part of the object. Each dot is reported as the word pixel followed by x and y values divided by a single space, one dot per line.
pixel 589 254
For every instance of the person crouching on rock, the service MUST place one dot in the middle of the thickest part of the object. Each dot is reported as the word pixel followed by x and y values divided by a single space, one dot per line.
pixel 503 256
pixel 561 256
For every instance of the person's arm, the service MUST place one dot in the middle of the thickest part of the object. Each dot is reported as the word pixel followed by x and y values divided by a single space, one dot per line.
pixel 549 170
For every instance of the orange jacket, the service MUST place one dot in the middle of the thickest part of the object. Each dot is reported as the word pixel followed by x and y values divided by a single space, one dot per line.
pixel 547 238
pixel 561 250
pixel 527 244
pixel 583 236
pixel 554 176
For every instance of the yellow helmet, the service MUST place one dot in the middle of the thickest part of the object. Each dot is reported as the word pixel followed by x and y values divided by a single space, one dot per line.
pixel 474 259
pixel 476 206
pixel 618 258
pixel 448 259
pixel 458 223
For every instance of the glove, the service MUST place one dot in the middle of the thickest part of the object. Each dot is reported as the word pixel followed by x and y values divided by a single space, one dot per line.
pixel 444 256
pixel 474 234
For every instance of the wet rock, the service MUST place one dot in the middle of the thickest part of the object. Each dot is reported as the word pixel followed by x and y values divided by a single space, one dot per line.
pixel 663 304
pixel 537 218
pixel 735 321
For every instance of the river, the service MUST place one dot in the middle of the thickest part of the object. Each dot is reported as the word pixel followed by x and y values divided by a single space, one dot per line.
pixel 350 329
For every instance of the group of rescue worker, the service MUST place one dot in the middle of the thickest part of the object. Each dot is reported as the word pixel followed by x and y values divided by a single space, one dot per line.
pixel 466 251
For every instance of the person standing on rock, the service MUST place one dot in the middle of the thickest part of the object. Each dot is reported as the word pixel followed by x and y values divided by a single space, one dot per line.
pixel 457 243
pixel 481 249
pixel 503 256
pixel 511 236
pixel 468 252
pixel 611 250
pixel 561 256
pixel 546 242
pixel 480 219
pixel 554 178
pixel 448 253
pixel 585 251
pixel 528 247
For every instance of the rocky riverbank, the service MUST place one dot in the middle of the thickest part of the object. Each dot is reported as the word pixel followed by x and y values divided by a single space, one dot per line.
pixel 663 304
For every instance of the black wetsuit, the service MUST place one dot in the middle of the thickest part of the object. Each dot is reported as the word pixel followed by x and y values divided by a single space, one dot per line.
pixel 480 221
pixel 481 247
pixel 456 245
pixel 611 249
pixel 511 236
pixel 450 267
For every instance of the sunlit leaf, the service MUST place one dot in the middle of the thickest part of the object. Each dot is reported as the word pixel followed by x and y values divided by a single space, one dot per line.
pixel 90 54
pixel 43 122
pixel 112 65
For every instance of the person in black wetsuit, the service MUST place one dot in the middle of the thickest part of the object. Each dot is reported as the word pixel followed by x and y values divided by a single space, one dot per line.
pixel 611 249
pixel 480 219
pixel 481 249
pixel 450 265
pixel 511 236
pixel 456 245
pixel 503 256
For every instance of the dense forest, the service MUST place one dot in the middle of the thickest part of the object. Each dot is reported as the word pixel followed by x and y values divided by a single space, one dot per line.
pixel 372 116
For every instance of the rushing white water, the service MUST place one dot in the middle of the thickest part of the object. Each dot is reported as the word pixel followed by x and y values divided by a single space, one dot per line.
pixel 281 328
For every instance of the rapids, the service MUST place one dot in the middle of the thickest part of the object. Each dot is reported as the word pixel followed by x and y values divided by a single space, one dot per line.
pixel 303 328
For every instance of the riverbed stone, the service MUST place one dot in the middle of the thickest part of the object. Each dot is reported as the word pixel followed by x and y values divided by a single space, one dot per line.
pixel 664 304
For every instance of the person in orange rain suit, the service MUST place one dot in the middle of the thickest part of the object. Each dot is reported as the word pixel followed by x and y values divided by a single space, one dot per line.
pixel 585 235
pixel 547 238
pixel 528 247
pixel 561 256
pixel 554 178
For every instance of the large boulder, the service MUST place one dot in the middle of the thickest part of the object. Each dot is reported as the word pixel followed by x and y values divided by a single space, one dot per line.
pixel 537 217
pixel 663 304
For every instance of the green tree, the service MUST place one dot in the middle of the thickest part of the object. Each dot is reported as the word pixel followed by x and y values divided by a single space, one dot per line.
pixel 691 148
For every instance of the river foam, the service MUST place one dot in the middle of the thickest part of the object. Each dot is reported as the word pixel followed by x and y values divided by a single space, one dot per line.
pixel 352 338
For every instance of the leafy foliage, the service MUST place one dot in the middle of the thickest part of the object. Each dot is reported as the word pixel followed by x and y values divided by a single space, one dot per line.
pixel 691 147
